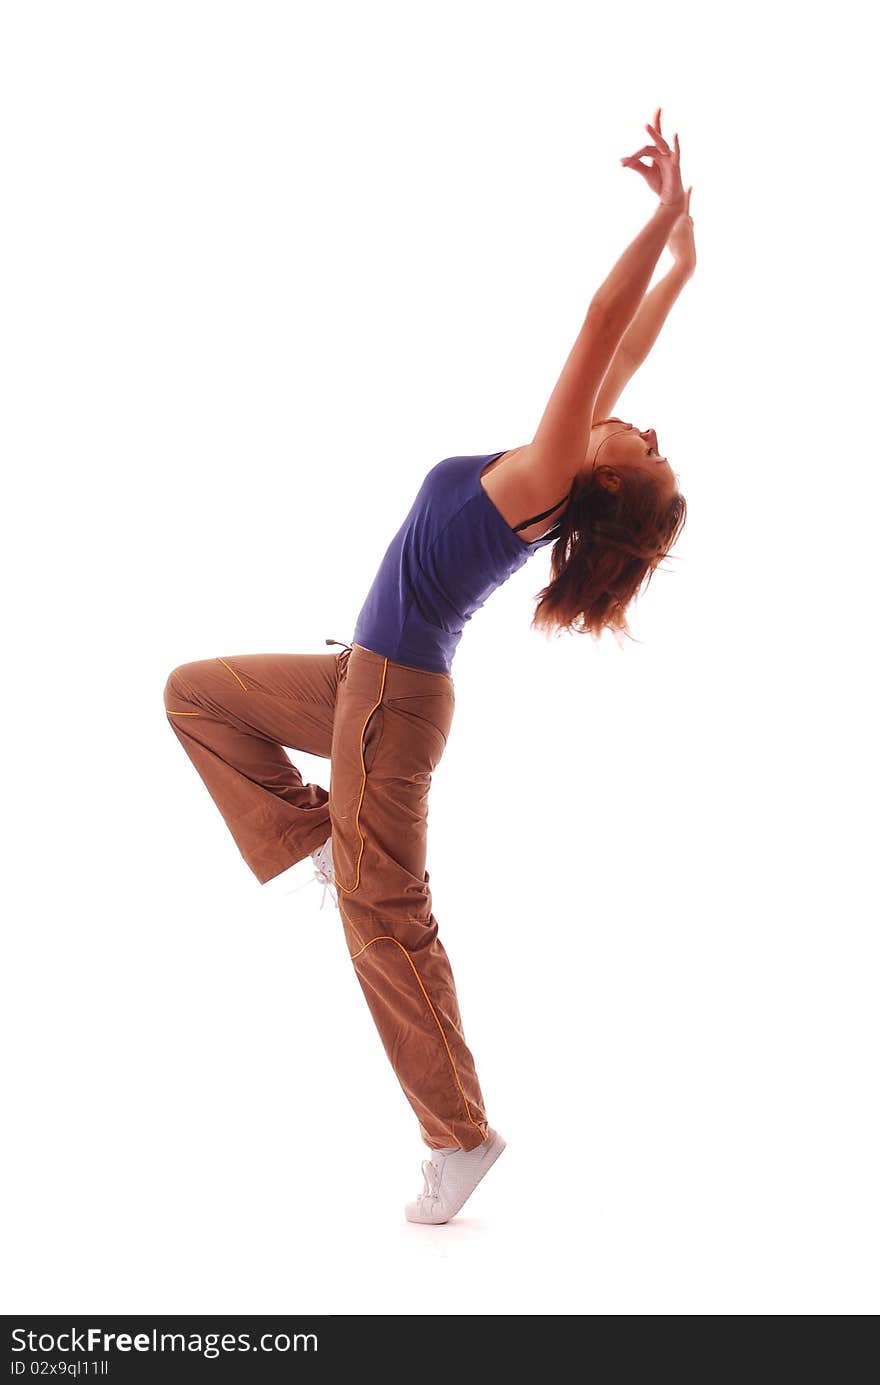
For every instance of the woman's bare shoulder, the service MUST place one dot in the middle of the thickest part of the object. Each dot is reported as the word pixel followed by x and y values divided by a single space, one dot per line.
pixel 517 489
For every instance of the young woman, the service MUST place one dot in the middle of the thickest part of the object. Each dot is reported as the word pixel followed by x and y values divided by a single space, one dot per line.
pixel 381 710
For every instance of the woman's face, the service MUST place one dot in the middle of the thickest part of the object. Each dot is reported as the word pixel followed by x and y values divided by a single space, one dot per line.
pixel 619 445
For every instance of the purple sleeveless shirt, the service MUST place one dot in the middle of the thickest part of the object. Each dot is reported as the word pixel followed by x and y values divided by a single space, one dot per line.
pixel 452 551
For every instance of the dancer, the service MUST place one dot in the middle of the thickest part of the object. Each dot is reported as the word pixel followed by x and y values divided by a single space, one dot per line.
pixel 381 709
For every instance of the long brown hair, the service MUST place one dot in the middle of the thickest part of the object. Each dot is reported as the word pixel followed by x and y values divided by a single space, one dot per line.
pixel 609 543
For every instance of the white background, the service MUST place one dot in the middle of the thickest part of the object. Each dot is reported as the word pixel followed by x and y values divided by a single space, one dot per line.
pixel 263 265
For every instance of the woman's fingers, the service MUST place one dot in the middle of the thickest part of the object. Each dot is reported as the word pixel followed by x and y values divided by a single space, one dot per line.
pixel 649 174
pixel 656 135
pixel 656 151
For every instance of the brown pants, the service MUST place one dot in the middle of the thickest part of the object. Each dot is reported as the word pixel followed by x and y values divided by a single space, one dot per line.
pixel 383 726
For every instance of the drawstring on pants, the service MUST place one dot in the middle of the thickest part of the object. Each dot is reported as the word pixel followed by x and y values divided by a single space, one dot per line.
pixel 342 659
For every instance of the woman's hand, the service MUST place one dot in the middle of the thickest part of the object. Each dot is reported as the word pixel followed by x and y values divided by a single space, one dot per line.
pixel 664 175
pixel 681 239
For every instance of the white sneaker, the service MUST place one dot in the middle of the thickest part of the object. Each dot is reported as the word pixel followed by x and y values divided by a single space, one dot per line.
pixel 450 1177
pixel 323 859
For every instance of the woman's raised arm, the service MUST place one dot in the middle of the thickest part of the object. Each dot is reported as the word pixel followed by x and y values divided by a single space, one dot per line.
pixel 653 311
pixel 560 444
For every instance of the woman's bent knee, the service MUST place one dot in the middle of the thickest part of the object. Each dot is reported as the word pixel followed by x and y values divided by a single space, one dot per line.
pixel 177 689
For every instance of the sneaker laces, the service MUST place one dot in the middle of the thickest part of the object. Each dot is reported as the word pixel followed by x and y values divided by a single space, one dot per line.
pixel 323 870
pixel 431 1175
pixel 322 880
pixel 323 875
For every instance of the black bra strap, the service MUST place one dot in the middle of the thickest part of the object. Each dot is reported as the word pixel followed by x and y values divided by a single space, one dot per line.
pixel 534 519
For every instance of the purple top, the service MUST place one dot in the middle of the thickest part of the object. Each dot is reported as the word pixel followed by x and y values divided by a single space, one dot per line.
pixel 452 551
